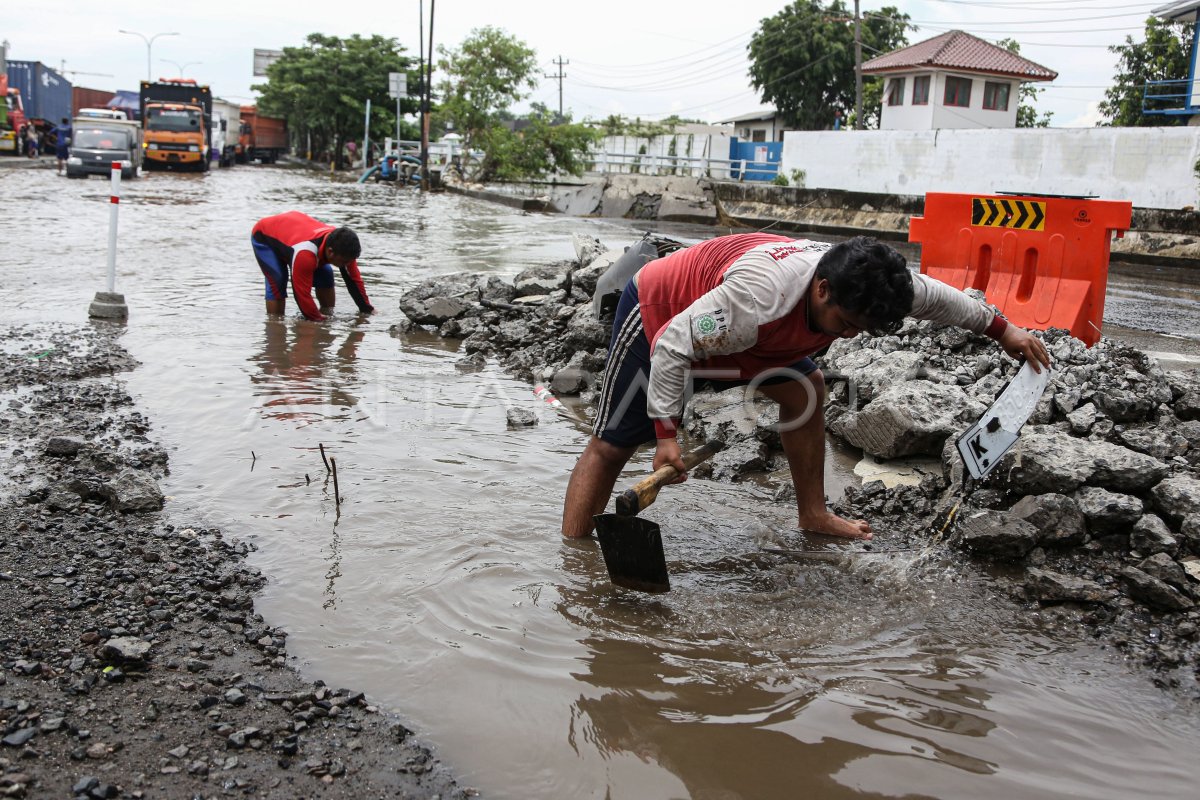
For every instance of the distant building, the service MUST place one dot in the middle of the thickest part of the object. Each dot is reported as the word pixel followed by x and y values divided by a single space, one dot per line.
pixel 955 80
pixel 763 125
pixel 1177 97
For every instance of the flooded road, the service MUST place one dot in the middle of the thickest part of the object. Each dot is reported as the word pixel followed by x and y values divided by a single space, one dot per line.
pixel 444 591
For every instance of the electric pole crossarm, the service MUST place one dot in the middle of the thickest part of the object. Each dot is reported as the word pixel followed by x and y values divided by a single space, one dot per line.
pixel 558 76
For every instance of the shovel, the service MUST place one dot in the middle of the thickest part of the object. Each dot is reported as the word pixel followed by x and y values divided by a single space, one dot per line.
pixel 632 546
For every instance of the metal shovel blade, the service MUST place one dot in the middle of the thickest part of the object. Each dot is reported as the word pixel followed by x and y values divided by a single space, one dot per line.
pixel 633 552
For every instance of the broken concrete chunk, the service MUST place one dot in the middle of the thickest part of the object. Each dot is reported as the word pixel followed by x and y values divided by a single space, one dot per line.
pixel 1055 587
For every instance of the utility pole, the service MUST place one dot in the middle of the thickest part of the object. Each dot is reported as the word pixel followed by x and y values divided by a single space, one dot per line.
pixel 858 112
pixel 427 68
pixel 559 77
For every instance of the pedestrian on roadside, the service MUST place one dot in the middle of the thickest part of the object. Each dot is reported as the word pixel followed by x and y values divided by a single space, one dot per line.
pixel 62 144
pixel 33 142
pixel 309 249
pixel 752 309
pixel 23 140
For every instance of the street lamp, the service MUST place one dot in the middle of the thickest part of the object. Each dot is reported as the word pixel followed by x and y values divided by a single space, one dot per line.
pixel 148 42
pixel 177 65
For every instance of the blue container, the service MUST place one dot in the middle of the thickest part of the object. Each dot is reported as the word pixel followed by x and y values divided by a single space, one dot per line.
pixel 45 94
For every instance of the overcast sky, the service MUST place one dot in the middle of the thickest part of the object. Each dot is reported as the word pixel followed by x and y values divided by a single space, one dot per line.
pixel 648 58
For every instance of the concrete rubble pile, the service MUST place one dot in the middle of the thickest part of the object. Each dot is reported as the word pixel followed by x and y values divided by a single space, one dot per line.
pixel 1093 516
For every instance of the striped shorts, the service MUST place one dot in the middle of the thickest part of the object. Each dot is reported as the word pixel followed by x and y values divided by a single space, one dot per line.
pixel 621 417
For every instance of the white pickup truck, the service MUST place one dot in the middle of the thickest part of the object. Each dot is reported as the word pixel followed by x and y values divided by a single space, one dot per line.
pixel 97 142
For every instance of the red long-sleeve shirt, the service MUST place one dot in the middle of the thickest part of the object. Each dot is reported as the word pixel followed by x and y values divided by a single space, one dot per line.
pixel 299 241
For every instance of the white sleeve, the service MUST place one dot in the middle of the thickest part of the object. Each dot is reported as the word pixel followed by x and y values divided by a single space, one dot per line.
pixel 945 305
pixel 756 290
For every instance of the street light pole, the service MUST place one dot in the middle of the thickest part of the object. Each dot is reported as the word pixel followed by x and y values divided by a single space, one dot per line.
pixel 148 42
pixel 177 65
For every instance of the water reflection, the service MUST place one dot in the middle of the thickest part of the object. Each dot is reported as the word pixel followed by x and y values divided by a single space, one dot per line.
pixel 306 370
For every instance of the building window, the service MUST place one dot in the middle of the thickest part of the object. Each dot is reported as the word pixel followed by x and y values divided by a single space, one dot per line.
pixel 995 96
pixel 921 90
pixel 958 92
pixel 759 135
pixel 895 96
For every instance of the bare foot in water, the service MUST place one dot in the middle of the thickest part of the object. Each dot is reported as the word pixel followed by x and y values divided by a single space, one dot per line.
pixel 831 524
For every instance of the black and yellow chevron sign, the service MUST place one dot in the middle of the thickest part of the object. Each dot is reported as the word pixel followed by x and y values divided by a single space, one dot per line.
pixel 995 212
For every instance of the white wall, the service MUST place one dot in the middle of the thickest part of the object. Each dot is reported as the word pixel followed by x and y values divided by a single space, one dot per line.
pixel 1152 167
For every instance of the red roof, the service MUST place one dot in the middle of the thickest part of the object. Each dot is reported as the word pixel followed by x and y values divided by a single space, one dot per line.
pixel 959 50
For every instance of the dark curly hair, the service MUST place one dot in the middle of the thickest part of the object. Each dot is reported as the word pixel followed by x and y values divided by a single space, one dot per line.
pixel 344 242
pixel 871 280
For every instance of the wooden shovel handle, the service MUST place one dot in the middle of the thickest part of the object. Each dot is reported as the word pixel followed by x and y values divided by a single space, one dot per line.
pixel 639 496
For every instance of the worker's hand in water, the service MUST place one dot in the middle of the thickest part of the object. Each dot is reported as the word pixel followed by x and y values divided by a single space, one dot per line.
pixel 667 452
pixel 1020 343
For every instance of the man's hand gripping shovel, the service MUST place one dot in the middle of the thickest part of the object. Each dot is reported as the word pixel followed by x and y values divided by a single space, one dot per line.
pixel 632 546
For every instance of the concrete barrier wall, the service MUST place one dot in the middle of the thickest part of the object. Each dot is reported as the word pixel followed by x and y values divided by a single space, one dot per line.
pixel 1152 167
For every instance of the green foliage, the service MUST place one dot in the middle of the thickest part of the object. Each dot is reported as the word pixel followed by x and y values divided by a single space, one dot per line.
pixel 1163 56
pixel 780 180
pixel 322 87
pixel 539 149
pixel 1027 116
pixel 488 73
pixel 799 176
pixel 802 59
pixel 485 76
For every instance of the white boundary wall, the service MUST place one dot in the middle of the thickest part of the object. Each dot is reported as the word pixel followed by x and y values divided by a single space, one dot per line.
pixel 1152 167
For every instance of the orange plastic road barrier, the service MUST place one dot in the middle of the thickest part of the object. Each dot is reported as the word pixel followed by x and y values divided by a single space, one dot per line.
pixel 1043 261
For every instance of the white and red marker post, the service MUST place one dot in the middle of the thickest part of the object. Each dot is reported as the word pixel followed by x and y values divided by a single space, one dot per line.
pixel 110 305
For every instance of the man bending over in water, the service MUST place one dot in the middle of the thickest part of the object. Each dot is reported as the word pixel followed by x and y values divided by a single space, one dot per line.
pixel 752 309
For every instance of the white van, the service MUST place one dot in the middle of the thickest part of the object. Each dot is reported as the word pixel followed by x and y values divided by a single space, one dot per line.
pixel 102 113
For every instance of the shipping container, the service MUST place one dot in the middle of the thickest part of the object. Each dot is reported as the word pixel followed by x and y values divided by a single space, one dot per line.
pixel 82 97
pixel 45 94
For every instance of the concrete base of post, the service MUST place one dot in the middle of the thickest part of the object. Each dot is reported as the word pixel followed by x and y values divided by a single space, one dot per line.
pixel 108 305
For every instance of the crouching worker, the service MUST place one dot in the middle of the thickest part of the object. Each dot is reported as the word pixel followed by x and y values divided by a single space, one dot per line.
pixel 752 309
pixel 309 250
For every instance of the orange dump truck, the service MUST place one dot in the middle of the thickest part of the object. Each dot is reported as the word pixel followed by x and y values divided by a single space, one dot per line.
pixel 177 122
pixel 263 138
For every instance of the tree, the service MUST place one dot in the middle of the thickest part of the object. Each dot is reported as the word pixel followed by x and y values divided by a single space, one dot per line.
pixel 1027 116
pixel 802 59
pixel 543 146
pixel 485 77
pixel 1163 56
pixel 322 89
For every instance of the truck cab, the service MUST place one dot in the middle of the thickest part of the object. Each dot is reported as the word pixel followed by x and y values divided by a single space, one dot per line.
pixel 13 120
pixel 176 123
pixel 97 143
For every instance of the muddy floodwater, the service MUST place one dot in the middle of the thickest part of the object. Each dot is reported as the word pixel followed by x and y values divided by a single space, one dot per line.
pixel 444 591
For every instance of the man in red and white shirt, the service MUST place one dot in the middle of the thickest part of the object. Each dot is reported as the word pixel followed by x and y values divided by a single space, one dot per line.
pixel 296 243
pixel 751 309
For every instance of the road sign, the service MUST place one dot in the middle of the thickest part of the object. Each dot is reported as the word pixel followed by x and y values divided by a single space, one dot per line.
pixel 984 443
pixel 992 212
pixel 397 85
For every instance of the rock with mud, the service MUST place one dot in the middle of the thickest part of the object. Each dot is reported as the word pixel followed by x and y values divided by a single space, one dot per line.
pixel 134 490
pixel 1177 497
pixel 1108 512
pixel 1058 520
pixel 1048 586
pixel 909 418
pixel 1048 459
pixel 997 534
pixel 1154 592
